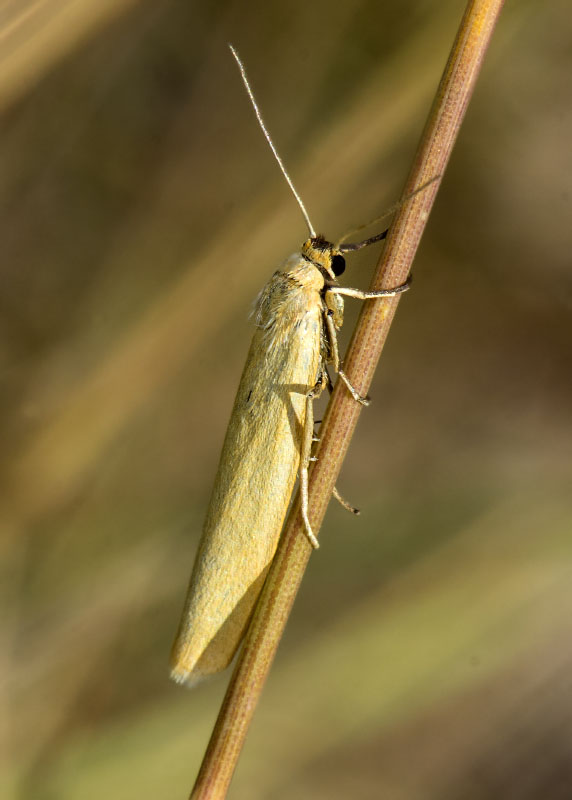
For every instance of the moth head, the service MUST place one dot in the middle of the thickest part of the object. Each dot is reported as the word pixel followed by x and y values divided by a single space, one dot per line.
pixel 324 254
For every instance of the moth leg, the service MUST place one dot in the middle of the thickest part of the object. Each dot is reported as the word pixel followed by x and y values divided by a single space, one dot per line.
pixel 307 436
pixel 344 503
pixel 335 492
pixel 328 379
pixel 359 295
pixel 335 355
pixel 364 401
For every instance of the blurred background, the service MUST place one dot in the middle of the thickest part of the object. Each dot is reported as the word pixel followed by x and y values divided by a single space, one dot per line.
pixel 429 654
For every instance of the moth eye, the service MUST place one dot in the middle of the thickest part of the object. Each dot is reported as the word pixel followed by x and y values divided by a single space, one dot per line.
pixel 338 265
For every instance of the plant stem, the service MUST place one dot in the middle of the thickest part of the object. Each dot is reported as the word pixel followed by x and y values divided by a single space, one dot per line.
pixel 294 550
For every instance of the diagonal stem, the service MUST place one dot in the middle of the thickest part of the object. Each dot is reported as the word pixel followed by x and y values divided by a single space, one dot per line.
pixel 294 550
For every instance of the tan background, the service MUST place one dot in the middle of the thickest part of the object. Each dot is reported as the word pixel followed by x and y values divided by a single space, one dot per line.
pixel 429 654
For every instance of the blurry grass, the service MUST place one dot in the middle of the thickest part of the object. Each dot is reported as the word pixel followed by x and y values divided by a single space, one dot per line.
pixel 181 323
pixel 478 607
pixel 36 34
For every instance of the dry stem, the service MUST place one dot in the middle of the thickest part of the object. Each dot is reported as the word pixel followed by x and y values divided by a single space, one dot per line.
pixel 341 416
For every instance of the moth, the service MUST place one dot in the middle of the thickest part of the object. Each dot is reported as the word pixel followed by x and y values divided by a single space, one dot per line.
pixel 268 443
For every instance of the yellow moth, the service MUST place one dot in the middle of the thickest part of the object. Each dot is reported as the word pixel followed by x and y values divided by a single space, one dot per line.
pixel 268 444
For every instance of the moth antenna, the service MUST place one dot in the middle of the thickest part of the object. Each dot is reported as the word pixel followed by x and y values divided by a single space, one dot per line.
pixel 271 143
pixel 390 210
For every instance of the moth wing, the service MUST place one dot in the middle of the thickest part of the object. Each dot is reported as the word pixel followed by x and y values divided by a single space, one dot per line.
pixel 256 475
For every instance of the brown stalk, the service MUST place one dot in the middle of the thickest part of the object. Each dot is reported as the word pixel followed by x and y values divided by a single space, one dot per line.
pixel 294 551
